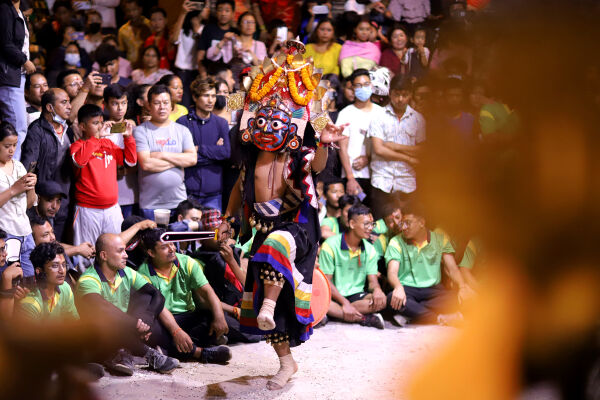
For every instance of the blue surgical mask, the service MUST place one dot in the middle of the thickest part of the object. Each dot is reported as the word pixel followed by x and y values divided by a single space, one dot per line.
pixel 72 59
pixel 363 93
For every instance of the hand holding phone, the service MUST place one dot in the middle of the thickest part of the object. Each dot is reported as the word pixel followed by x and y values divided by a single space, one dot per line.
pixel 106 78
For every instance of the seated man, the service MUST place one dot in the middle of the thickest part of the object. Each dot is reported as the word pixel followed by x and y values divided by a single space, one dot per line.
pixel 333 191
pixel 414 261
pixel 178 277
pixel 51 297
pixel 111 290
pixel 335 225
pixel 349 261
pixel 383 231
pixel 42 232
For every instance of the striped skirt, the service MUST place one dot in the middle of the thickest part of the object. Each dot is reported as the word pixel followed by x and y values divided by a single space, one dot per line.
pixel 287 250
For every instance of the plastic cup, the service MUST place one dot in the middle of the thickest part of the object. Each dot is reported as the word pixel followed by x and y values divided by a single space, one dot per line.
pixel 162 216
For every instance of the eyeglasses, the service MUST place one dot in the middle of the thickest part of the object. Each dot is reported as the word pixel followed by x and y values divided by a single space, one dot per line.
pixel 361 85
pixel 75 84
pixel 248 22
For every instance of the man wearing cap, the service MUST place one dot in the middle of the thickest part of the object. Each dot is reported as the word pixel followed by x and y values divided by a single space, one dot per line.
pixel 50 195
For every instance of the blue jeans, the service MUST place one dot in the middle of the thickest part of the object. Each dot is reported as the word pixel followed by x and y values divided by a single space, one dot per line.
pixel 13 110
pixel 215 201
pixel 27 245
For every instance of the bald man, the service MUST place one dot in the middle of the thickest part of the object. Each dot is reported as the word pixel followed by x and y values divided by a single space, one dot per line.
pixel 47 143
pixel 111 291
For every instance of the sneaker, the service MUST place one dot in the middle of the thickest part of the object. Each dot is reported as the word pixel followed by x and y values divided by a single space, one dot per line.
pixel 215 355
pixel 121 364
pixel 160 362
pixel 401 320
pixel 375 320
pixel 96 371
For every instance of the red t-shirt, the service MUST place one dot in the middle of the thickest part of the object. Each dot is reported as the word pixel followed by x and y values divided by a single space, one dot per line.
pixel 96 163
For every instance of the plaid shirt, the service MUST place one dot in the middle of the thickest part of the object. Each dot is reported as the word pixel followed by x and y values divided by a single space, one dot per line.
pixel 395 176
pixel 210 220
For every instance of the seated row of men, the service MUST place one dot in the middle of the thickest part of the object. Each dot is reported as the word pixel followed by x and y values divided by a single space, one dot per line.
pixel 404 255
pixel 186 305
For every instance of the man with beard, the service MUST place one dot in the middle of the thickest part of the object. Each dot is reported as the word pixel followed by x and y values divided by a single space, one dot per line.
pixel 204 181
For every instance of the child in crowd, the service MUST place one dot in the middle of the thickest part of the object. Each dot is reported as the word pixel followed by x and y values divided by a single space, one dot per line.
pixel 96 159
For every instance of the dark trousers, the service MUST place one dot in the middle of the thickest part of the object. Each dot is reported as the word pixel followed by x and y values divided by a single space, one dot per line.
pixel 379 198
pixel 423 305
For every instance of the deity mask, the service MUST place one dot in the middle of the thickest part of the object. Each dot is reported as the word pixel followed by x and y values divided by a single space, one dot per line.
pixel 272 130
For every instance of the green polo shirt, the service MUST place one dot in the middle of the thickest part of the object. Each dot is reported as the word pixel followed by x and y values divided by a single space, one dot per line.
pixel 380 227
pixel 186 275
pixel 420 266
pixel 381 244
pixel 349 269
pixel 118 294
pixel 37 306
pixel 470 255
pixel 332 223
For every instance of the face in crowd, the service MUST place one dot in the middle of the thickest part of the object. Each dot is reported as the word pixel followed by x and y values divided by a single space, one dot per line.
pixel 334 192
pixel 160 107
pixel 362 225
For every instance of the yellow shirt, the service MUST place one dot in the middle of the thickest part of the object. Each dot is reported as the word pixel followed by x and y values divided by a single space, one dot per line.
pixel 179 111
pixel 129 42
pixel 328 60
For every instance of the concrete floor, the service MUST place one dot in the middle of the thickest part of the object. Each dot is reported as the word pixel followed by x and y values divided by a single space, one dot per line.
pixel 340 361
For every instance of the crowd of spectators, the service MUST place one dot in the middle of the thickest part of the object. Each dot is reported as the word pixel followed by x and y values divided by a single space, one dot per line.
pixel 111 117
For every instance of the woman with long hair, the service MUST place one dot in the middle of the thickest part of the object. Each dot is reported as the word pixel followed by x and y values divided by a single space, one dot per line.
pixel 323 47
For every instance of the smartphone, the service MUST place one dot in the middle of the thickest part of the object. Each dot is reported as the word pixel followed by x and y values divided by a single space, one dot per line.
pixel 77 36
pixel 105 79
pixel 282 34
pixel 119 127
pixel 320 10
pixel 197 4
pixel 32 166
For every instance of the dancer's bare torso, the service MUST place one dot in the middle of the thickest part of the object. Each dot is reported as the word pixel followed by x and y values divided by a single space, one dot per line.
pixel 269 183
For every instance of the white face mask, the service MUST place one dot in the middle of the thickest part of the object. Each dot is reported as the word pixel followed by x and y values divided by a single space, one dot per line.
pixel 72 58
pixel 57 118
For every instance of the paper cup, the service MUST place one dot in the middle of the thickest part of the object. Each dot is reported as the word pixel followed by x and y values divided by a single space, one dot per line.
pixel 13 250
pixel 162 216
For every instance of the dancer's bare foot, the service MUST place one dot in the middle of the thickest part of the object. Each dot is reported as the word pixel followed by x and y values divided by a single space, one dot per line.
pixel 288 367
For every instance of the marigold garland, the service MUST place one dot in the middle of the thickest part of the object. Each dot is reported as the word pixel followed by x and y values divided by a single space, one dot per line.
pixel 294 91
pixel 258 95
pixel 309 82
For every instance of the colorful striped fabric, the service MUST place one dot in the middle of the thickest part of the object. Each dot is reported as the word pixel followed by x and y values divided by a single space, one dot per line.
pixel 279 251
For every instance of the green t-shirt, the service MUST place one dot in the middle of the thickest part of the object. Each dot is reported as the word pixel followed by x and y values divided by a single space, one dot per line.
pixel 186 275
pixel 380 227
pixel 332 223
pixel 349 269
pixel 381 244
pixel 61 306
pixel 420 266
pixel 118 294
pixel 469 258
pixel 497 118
